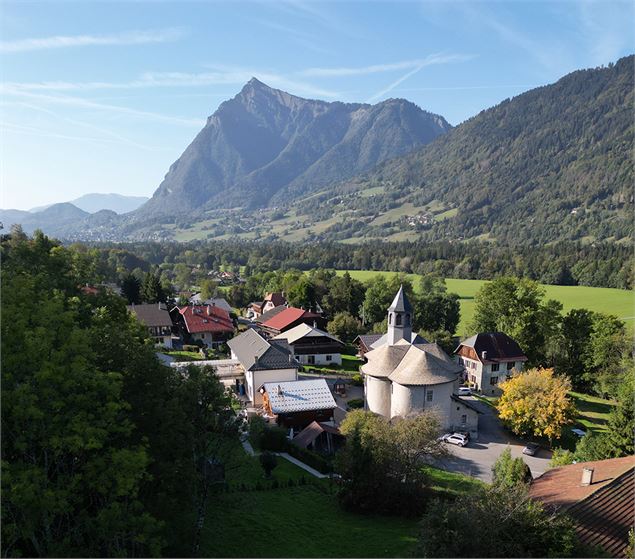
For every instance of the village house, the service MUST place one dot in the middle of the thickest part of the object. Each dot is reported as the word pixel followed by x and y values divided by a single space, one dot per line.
pixel 157 320
pixel 296 404
pixel 263 361
pixel 213 301
pixel 312 346
pixel 289 318
pixel 598 496
pixel 206 323
pixel 489 359
pixel 271 300
pixel 402 378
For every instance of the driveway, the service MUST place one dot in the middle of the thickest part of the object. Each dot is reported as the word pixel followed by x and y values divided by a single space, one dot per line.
pixel 477 457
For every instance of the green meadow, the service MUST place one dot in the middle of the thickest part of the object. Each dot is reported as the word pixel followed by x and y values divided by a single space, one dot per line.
pixel 618 302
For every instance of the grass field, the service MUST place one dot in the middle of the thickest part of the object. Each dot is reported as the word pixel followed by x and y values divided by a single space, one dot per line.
pixel 592 412
pixel 618 302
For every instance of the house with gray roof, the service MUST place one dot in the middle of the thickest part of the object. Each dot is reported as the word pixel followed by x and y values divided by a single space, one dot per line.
pixel 157 320
pixel 297 404
pixel 402 378
pixel 263 361
pixel 312 346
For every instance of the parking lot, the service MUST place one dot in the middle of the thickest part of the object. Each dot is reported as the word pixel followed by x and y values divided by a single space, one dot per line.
pixel 477 458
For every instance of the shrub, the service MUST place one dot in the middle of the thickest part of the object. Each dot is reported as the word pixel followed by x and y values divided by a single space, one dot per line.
pixel 273 438
pixel 310 458
pixel 358 379
pixel 268 461
pixel 257 426
pixel 355 403
pixel 189 347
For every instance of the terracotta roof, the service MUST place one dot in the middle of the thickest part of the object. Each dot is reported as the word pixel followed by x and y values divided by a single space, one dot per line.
pixel 299 395
pixel 561 487
pixel 499 346
pixel 269 314
pixel 312 431
pixel 155 314
pixel 287 317
pixel 605 518
pixel 206 318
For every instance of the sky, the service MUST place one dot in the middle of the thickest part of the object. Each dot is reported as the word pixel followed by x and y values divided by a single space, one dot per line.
pixel 105 96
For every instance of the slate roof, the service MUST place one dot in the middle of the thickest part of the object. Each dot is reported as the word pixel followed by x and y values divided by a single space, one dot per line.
pixel 214 301
pixel 206 318
pixel 305 331
pixel 499 346
pixel 400 303
pixel 420 366
pixel 257 354
pixel 383 360
pixel 312 431
pixel 155 314
pixel 368 339
pixel 465 403
pixel 299 395
pixel 287 317
pixel 383 340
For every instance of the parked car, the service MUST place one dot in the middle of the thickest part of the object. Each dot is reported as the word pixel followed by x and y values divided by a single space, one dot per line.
pixel 454 438
pixel 578 432
pixel 465 391
pixel 531 449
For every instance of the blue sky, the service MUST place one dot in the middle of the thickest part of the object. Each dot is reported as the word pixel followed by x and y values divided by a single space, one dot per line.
pixel 104 96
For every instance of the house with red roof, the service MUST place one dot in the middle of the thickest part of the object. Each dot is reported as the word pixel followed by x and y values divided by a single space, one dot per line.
pixel 271 301
pixel 290 318
pixel 598 496
pixel 206 323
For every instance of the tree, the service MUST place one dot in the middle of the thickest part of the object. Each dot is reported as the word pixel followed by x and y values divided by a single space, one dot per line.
pixel 208 289
pixel 535 402
pixel 608 354
pixel 131 289
pixel 561 457
pixel 302 293
pixel 621 424
pixel 345 326
pixel 152 292
pixel 268 461
pixel 515 306
pixel 344 294
pixel 499 521
pixel 509 472
pixel 381 462
pixel 573 355
pixel 379 295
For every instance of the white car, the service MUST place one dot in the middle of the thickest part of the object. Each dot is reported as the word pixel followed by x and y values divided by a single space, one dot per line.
pixel 578 432
pixel 455 438
pixel 465 391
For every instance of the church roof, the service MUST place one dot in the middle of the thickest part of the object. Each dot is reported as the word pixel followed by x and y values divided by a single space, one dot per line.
pixel 383 340
pixel 400 303
pixel 420 366
pixel 383 360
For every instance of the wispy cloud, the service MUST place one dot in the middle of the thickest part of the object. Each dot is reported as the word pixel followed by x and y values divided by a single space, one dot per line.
pixel 68 41
pixel 378 68
pixel 87 104
pixel 428 61
pixel 221 76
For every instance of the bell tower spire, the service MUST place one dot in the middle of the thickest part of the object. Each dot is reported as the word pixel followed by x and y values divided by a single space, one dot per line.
pixel 399 319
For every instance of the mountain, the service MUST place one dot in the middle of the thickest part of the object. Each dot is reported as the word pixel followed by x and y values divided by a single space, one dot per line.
pixel 56 220
pixel 92 203
pixel 554 163
pixel 264 146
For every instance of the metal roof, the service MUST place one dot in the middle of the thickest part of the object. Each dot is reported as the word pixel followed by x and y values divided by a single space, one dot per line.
pixel 400 303
pixel 299 395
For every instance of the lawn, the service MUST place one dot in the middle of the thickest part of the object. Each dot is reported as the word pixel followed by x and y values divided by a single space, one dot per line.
pixel 619 302
pixel 592 412
pixel 184 355
pixel 451 484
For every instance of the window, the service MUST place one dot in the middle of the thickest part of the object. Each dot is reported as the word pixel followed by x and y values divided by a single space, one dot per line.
pixel 495 367
pixel 329 357
pixel 407 320
pixel 390 318
pixel 511 365
pixel 493 380
pixel 429 395
pixel 463 419
pixel 311 359
pixel 398 320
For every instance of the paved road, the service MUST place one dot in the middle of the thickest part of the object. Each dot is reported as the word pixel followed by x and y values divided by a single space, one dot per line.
pixel 477 458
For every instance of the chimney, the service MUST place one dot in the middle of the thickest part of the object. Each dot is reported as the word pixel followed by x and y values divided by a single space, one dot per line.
pixel 256 357
pixel 483 355
pixel 209 310
pixel 587 476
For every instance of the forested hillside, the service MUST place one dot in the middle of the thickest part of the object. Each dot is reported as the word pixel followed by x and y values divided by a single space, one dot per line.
pixel 551 164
